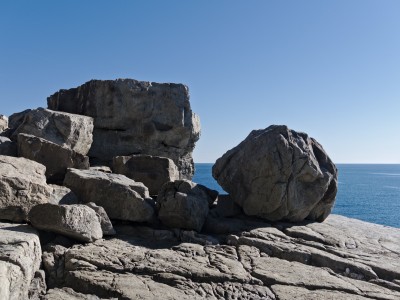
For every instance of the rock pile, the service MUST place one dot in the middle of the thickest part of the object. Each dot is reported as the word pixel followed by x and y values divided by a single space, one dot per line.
pixel 133 226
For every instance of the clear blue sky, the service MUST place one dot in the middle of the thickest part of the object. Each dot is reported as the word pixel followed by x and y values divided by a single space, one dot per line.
pixel 329 68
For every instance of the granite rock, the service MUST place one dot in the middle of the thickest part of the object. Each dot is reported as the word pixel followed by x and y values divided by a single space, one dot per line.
pixel 20 259
pixel 135 117
pixel 183 204
pixel 22 186
pixel 3 123
pixel 121 197
pixel 153 171
pixel 57 159
pixel 79 222
pixel 106 225
pixel 64 129
pixel 279 174
pixel 7 147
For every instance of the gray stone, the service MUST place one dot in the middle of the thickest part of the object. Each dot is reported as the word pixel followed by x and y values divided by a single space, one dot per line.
pixel 153 171
pixel 64 129
pixel 7 147
pixel 279 174
pixel 225 207
pixel 57 159
pixel 20 259
pixel 135 117
pixel 38 286
pixel 183 204
pixel 3 123
pixel 106 225
pixel 22 186
pixel 69 294
pixel 121 197
pixel 62 195
pixel 104 169
pixel 76 221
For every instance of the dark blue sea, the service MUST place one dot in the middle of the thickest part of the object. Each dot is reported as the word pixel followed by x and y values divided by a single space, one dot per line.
pixel 366 192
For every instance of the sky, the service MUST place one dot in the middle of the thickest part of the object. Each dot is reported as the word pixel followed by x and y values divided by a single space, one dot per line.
pixel 327 68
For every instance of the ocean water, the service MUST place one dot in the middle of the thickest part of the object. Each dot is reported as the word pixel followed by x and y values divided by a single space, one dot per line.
pixel 366 192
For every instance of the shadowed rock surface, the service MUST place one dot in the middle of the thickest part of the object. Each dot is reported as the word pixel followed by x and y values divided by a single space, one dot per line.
pixel 20 259
pixel 279 174
pixel 57 159
pixel 153 171
pixel 79 222
pixel 7 147
pixel 22 186
pixel 68 130
pixel 183 204
pixel 135 117
pixel 106 225
pixel 121 197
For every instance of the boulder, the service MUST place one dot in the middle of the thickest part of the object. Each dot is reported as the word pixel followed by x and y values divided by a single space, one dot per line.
pixel 104 169
pixel 20 259
pixel 183 204
pixel 69 294
pixel 22 186
pixel 57 159
pixel 3 123
pixel 279 174
pixel 79 222
pixel 153 171
pixel 106 225
pixel 7 147
pixel 64 129
pixel 225 207
pixel 62 195
pixel 121 197
pixel 135 117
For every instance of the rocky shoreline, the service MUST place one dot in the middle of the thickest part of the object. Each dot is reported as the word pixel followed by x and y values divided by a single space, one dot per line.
pixel 97 202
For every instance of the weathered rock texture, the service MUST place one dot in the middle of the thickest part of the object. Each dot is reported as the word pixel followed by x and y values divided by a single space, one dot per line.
pixel 183 204
pixel 121 197
pixel 106 225
pixel 3 123
pixel 57 159
pixel 64 129
pixel 279 174
pixel 153 171
pixel 79 222
pixel 22 186
pixel 135 117
pixel 339 259
pixel 62 195
pixel 7 147
pixel 20 259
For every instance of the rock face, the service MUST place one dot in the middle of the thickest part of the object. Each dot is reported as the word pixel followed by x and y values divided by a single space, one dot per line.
pixel 183 204
pixel 121 197
pixel 135 117
pixel 57 159
pixel 22 186
pixel 20 259
pixel 340 258
pixel 7 147
pixel 68 130
pixel 106 225
pixel 79 222
pixel 279 174
pixel 153 171
pixel 3 123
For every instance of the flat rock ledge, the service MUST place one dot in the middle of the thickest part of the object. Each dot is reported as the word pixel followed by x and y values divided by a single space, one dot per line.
pixel 340 258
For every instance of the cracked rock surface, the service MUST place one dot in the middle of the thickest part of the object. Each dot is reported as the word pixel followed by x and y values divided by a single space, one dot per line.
pixel 340 258
pixel 20 258
pixel 135 117
pixel 279 174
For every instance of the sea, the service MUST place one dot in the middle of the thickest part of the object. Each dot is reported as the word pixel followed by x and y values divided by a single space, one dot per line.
pixel 368 192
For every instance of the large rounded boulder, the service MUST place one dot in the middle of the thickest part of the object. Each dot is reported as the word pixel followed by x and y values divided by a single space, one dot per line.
pixel 279 174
